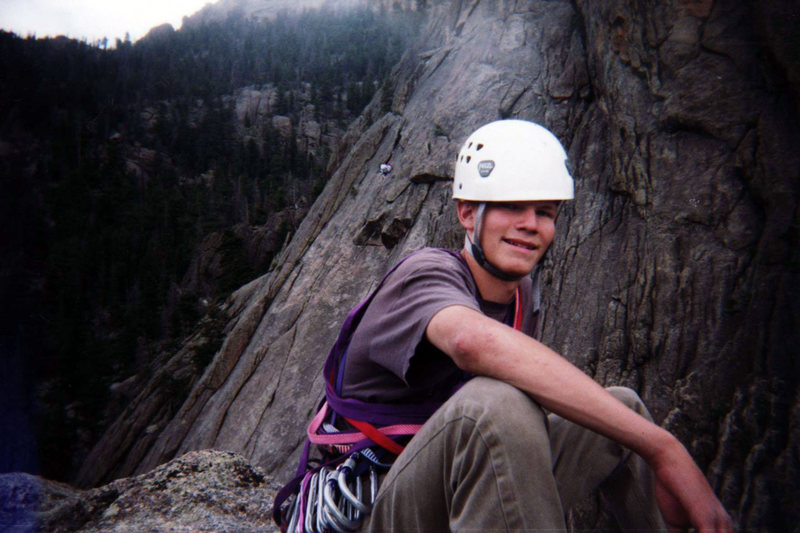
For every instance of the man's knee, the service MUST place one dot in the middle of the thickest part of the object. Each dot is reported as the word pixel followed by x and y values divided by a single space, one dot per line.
pixel 505 407
pixel 497 400
pixel 630 398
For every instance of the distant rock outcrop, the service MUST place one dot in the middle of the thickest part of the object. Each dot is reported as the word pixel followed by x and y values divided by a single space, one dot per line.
pixel 675 271
pixel 269 9
pixel 160 32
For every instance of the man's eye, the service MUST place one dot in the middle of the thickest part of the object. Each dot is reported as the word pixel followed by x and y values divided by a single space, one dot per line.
pixel 545 213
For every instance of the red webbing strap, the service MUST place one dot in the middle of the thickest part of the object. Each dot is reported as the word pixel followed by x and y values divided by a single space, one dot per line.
pixel 346 439
pixel 376 436
pixel 518 310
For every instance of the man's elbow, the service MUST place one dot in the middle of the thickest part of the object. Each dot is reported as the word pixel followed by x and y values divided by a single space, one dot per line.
pixel 465 335
pixel 467 349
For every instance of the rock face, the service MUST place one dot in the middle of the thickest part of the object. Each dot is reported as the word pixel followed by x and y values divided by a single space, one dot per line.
pixel 675 270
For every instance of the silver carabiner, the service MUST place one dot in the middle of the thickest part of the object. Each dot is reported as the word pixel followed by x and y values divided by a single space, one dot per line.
pixel 320 515
pixel 373 486
pixel 308 522
pixel 294 514
pixel 355 500
pixel 333 508
pixel 352 512
pixel 332 524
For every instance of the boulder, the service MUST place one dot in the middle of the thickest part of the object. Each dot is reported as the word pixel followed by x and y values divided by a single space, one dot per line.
pixel 200 491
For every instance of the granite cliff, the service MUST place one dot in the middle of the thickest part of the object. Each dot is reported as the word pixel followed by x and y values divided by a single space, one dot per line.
pixel 675 270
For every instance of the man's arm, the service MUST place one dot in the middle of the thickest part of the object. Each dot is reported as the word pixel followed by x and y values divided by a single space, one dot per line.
pixel 486 347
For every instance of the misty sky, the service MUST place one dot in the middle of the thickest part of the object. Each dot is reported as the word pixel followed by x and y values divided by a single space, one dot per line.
pixel 93 19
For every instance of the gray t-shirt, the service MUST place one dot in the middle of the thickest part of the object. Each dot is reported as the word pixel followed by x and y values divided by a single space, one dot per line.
pixel 389 358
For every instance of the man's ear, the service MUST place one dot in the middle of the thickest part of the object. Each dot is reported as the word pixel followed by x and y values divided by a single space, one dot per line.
pixel 466 214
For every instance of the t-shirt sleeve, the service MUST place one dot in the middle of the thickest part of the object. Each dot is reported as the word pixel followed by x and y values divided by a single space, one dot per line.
pixel 395 324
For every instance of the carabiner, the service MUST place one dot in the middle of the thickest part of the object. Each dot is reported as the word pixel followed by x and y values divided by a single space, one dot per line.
pixel 308 519
pixel 333 524
pixel 354 500
pixel 373 486
pixel 294 514
pixel 333 508
pixel 320 516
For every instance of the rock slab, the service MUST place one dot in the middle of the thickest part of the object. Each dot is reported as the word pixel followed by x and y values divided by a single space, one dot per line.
pixel 200 491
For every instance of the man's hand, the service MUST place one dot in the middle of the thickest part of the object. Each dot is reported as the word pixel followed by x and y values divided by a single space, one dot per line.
pixel 685 497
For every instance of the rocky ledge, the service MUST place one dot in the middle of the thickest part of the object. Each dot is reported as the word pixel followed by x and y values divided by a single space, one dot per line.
pixel 201 491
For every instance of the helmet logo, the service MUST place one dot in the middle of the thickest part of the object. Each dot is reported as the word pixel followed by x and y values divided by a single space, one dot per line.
pixel 485 168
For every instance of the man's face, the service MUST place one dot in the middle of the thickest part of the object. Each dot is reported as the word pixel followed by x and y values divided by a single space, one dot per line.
pixel 515 235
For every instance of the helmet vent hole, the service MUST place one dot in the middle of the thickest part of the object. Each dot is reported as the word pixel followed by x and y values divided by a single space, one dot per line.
pixel 469 145
pixel 468 158
pixel 479 147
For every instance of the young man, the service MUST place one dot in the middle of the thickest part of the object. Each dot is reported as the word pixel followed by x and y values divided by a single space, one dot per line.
pixel 459 330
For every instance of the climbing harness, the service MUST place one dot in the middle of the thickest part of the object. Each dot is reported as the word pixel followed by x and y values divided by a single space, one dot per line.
pixel 337 493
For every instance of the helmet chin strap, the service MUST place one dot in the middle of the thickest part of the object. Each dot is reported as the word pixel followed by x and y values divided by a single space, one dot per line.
pixel 475 249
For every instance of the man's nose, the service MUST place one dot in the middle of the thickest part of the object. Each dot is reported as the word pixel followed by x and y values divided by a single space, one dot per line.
pixel 528 219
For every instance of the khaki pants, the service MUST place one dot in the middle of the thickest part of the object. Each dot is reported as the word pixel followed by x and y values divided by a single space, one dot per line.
pixel 491 460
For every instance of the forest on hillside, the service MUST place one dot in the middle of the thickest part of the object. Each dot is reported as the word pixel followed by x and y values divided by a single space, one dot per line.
pixel 117 164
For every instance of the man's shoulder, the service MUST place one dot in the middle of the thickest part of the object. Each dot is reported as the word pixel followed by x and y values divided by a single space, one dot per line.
pixel 432 258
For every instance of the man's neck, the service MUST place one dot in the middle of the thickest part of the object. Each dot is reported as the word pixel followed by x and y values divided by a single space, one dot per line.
pixel 491 288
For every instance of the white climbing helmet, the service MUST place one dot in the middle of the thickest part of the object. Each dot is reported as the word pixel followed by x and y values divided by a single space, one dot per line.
pixel 512 160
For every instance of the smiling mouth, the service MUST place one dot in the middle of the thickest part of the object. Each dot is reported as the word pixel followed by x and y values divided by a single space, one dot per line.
pixel 521 244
